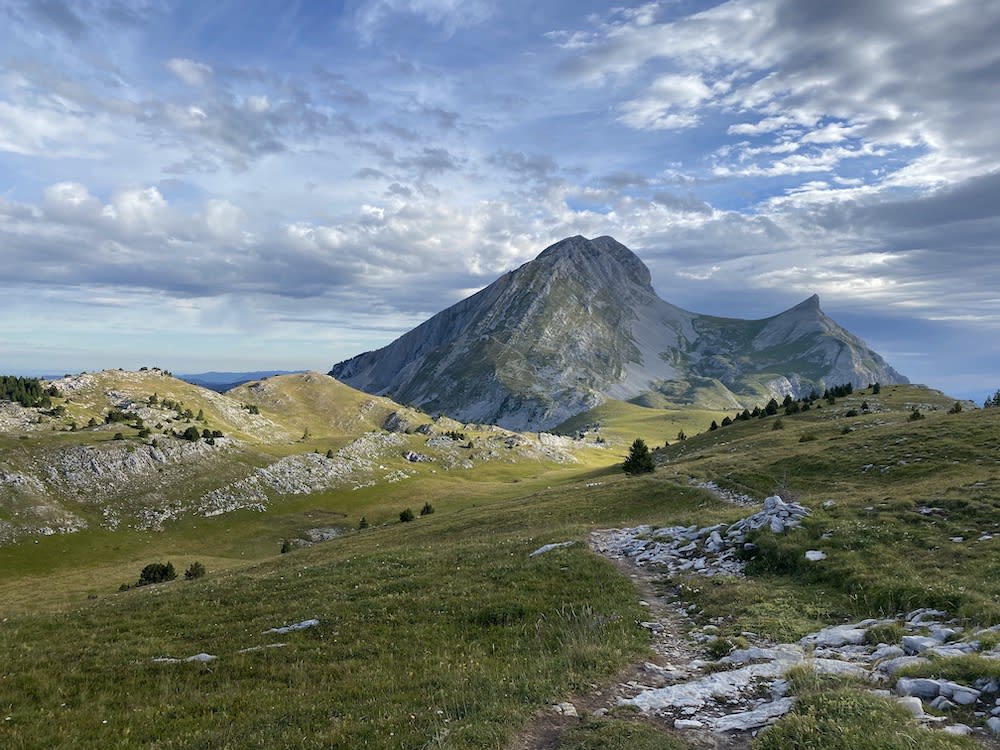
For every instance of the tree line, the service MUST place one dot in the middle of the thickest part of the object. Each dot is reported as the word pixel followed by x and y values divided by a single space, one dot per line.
pixel 28 392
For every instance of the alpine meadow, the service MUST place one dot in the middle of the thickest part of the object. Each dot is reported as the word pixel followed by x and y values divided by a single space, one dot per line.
pixel 411 374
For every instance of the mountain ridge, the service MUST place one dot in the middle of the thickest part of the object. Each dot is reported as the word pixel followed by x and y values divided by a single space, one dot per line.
pixel 580 324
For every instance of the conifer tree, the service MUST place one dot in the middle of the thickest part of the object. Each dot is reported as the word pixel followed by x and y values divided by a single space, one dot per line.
pixel 639 460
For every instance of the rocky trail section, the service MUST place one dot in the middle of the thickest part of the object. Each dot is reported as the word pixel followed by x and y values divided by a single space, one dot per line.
pixel 725 702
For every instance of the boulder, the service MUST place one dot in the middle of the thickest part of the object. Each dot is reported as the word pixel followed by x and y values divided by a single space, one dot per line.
pixel 917 644
pixel 913 705
pixel 921 687
pixel 754 719
pixel 836 636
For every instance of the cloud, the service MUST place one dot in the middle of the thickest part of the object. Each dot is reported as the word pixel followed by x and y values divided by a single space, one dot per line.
pixel 191 72
pixel 885 76
pixel 138 210
pixel 60 16
pixel 536 167
pixel 372 16
pixel 670 103
pixel 71 201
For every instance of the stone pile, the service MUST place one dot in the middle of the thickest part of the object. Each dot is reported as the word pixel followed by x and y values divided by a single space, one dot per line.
pixel 707 551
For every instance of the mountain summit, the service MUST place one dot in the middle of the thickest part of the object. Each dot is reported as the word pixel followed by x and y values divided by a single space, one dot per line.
pixel 581 324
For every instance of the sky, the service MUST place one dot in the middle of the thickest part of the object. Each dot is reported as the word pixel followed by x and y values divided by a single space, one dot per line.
pixel 281 184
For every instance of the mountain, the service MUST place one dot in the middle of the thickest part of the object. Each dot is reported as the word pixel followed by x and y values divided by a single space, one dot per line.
pixel 581 324
pixel 226 381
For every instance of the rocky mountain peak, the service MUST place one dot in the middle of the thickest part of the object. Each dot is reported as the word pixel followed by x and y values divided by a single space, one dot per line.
pixel 581 324
pixel 602 260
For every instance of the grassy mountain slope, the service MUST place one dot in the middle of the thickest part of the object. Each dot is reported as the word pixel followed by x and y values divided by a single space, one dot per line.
pixel 109 454
pixel 445 632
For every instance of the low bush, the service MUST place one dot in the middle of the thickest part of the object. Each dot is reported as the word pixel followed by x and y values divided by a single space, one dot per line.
pixel 892 632
pixel 156 573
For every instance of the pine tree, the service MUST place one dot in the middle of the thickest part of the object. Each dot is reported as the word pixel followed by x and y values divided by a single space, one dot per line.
pixel 640 460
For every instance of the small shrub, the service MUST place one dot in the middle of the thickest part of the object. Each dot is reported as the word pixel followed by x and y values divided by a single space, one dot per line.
pixel 807 437
pixel 851 413
pixel 892 632
pixel 956 409
pixel 915 415
pixel 286 546
pixel 720 647
pixel 156 573
pixel 406 516
pixel 192 434
pixel 118 436
pixel 329 453
pixel 363 523
pixel 427 509
pixel 778 424
pixel 195 570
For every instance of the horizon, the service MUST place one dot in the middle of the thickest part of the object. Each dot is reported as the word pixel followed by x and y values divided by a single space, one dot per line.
pixel 250 187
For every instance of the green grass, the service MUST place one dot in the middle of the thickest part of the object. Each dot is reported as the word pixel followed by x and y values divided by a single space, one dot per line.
pixel 836 714
pixel 964 669
pixel 441 624
pixel 615 734
pixel 621 422
pixel 902 488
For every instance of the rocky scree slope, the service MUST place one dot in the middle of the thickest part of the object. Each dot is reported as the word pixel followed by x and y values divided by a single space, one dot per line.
pixel 581 324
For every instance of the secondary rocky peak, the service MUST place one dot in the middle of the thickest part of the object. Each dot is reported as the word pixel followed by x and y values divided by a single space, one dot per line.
pixel 808 304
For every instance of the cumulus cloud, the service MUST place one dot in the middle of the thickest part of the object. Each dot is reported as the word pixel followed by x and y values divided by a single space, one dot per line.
pixel 890 75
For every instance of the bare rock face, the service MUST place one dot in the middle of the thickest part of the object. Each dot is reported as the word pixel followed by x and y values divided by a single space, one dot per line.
pixel 581 324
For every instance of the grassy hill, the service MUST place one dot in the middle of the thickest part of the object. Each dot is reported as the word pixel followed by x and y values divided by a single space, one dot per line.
pixel 445 632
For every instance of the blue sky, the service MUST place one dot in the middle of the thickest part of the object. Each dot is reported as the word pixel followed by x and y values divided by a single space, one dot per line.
pixel 280 185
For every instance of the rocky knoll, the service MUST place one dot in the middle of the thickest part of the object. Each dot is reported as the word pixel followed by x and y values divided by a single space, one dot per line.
pixel 707 551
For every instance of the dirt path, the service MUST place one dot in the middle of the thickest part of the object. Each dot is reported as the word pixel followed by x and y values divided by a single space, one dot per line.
pixel 675 658
pixel 682 691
